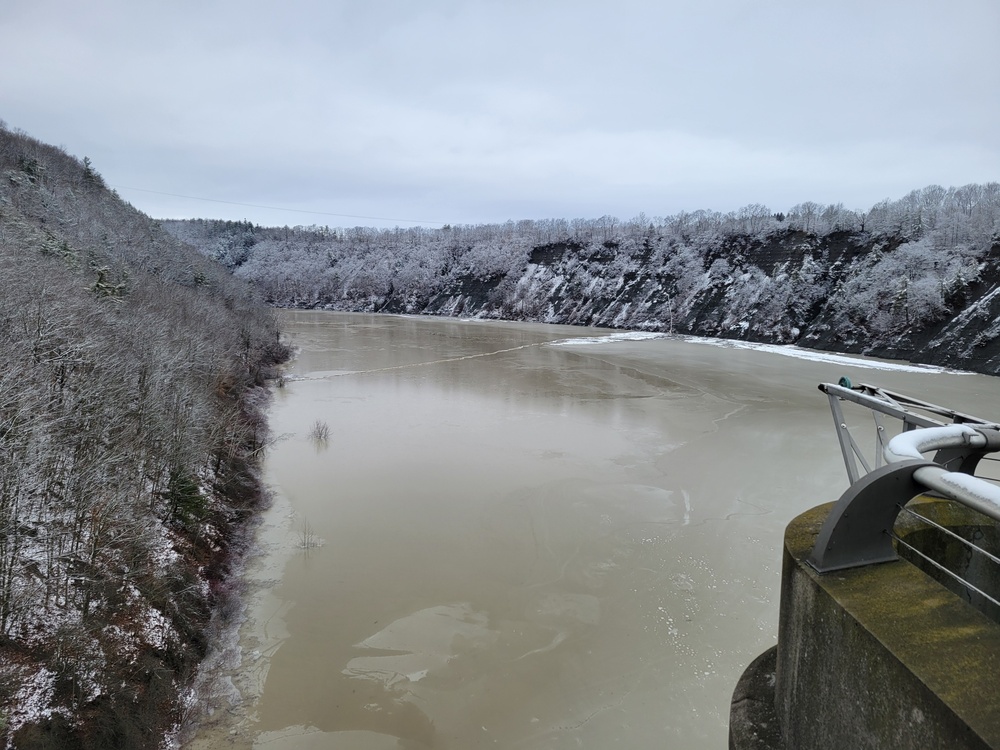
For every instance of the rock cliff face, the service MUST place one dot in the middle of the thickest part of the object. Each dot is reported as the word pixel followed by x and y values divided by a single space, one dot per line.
pixel 789 289
pixel 913 279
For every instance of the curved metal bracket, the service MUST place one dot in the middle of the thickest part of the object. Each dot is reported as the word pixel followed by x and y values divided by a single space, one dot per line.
pixel 856 531
pixel 965 458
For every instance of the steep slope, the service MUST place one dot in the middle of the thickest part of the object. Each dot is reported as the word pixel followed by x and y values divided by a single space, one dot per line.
pixel 130 425
pixel 911 279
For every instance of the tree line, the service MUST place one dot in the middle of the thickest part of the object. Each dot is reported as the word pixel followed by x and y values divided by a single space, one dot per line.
pixel 885 280
pixel 131 426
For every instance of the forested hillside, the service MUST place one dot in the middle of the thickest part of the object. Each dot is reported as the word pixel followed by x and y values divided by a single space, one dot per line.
pixel 130 427
pixel 916 278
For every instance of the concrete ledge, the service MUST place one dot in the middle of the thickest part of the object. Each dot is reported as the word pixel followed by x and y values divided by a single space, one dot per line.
pixel 876 657
pixel 753 723
pixel 945 549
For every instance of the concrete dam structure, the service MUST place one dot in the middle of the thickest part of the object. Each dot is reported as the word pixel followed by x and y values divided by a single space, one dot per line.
pixel 889 627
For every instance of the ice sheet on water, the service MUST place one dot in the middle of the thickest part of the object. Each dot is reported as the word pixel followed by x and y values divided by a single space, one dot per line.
pixel 787 350
pixel 610 338
pixel 424 641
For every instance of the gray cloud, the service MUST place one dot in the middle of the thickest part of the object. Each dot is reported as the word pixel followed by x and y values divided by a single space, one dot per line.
pixel 464 111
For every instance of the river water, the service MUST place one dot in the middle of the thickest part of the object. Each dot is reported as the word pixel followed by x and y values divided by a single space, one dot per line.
pixel 525 536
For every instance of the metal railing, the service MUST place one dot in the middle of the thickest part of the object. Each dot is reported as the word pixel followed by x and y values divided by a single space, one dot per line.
pixel 859 529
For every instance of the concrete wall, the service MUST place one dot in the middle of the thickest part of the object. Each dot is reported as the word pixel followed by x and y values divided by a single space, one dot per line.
pixel 876 657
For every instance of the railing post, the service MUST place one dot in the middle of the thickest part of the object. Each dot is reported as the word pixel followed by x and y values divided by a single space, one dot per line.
pixel 847 447
pixel 857 530
pixel 965 458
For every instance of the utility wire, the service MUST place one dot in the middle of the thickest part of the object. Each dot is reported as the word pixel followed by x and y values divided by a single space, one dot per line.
pixel 276 208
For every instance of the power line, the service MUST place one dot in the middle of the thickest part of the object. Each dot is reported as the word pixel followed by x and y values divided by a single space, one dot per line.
pixel 276 208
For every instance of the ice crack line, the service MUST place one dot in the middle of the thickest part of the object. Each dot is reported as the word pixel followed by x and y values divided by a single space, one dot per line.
pixel 420 364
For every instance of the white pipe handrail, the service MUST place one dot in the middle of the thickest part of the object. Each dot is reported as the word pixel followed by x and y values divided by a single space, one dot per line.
pixel 974 492
pixel 858 530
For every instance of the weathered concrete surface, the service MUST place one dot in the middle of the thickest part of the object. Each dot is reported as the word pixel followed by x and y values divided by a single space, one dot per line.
pixel 753 723
pixel 945 549
pixel 877 657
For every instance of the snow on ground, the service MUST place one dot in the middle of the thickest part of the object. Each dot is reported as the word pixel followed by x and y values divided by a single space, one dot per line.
pixel 156 628
pixel 33 701
pixel 161 546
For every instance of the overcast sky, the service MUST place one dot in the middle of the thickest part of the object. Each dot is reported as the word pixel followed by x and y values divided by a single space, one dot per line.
pixel 457 111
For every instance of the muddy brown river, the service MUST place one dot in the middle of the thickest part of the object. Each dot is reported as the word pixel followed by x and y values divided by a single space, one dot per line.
pixel 525 536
